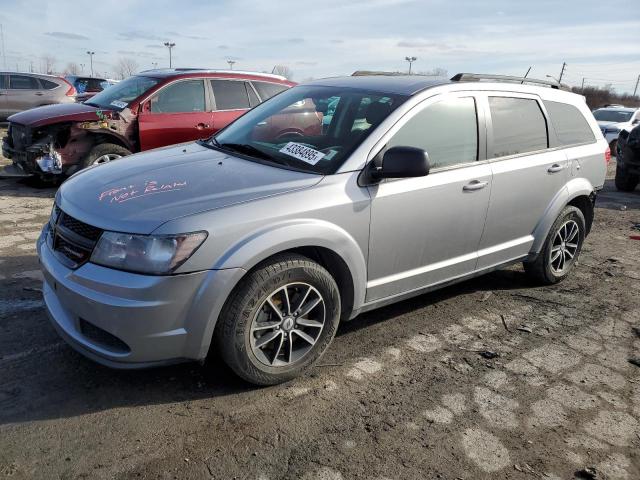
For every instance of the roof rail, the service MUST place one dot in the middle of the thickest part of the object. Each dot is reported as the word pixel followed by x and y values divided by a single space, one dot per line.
pixel 478 77
pixel 215 70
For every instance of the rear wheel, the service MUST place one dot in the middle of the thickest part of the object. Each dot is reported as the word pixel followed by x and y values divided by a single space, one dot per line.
pixel 279 320
pixel 104 153
pixel 561 248
pixel 625 182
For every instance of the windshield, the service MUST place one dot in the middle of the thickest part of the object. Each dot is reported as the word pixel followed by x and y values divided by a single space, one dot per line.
pixel 119 95
pixel 617 116
pixel 308 128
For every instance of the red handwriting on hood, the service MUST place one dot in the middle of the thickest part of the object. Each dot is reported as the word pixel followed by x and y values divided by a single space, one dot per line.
pixel 149 187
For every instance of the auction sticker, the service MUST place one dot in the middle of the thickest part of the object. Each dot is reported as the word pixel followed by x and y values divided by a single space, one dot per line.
pixel 119 104
pixel 302 152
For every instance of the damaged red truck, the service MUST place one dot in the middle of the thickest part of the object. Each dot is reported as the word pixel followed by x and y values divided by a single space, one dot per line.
pixel 149 110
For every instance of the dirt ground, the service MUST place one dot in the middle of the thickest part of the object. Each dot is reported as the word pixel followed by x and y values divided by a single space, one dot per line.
pixel 403 392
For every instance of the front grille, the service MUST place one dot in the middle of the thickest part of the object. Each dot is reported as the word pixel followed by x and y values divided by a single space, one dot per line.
pixel 20 137
pixel 73 240
pixel 102 338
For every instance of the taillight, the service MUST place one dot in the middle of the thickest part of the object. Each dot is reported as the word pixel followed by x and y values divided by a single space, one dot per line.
pixel 72 90
pixel 607 155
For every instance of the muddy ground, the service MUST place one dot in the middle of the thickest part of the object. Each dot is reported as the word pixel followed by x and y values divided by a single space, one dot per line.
pixel 402 393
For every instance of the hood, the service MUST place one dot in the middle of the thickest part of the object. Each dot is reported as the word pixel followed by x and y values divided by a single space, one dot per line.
pixel 139 193
pixel 64 112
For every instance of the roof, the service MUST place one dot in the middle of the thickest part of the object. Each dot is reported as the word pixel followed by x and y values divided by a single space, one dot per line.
pixel 618 109
pixel 171 72
pixel 393 84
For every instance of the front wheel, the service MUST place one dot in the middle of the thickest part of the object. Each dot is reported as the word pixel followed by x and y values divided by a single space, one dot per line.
pixel 104 153
pixel 561 248
pixel 279 320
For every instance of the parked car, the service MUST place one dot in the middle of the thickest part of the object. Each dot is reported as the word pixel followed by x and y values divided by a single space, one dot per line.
pixel 152 109
pixel 256 246
pixel 87 87
pixel 628 160
pixel 22 91
pixel 613 119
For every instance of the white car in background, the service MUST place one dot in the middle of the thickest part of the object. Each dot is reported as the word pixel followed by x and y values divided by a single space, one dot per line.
pixel 613 119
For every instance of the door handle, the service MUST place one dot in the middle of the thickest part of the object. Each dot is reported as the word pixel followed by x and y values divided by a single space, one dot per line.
pixel 474 185
pixel 202 126
pixel 39 94
pixel 556 167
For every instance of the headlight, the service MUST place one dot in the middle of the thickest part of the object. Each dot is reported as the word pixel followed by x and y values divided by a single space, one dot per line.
pixel 153 254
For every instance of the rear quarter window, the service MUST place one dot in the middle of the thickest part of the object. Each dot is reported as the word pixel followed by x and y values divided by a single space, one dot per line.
pixel 268 90
pixel 518 126
pixel 48 85
pixel 570 125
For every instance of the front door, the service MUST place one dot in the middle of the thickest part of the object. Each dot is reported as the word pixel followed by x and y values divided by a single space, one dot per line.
pixel 179 112
pixel 427 230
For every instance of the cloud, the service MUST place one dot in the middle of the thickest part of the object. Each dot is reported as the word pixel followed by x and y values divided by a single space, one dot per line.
pixel 336 40
pixel 66 35
pixel 424 45
pixel 223 47
pixel 140 35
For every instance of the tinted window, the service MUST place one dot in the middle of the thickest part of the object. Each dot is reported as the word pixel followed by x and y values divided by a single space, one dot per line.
pixel 518 126
pixel 3 82
pixel 186 96
pixel 230 94
pixel 23 82
pixel 617 116
pixel 569 124
pixel 47 85
pixel 253 98
pixel 447 131
pixel 268 90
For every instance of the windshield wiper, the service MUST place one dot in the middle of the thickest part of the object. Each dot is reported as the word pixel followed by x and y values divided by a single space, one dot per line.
pixel 244 148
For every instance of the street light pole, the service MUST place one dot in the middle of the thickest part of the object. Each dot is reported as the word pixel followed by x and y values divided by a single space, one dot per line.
pixel 91 54
pixel 410 60
pixel 635 90
pixel 231 62
pixel 169 45
pixel 564 65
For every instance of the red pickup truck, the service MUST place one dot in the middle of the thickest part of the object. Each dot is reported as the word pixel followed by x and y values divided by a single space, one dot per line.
pixel 151 109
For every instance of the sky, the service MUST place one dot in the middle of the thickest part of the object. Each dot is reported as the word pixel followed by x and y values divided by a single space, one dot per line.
pixel 599 41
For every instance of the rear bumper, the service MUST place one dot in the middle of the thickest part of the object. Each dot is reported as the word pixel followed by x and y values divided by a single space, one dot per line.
pixel 126 320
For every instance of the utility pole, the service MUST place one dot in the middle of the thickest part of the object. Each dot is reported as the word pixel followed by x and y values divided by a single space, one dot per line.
pixel 635 90
pixel 564 65
pixel 410 60
pixel 582 87
pixel 169 45
pixel 231 62
pixel 525 75
pixel 91 54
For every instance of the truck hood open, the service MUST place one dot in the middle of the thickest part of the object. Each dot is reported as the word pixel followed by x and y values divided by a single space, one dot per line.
pixel 64 112
pixel 139 193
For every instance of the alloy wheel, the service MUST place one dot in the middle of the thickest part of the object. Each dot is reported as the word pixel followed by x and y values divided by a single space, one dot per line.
pixel 564 247
pixel 106 158
pixel 288 324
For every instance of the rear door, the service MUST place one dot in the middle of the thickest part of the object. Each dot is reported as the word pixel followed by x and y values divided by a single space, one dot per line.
pixel 527 175
pixel 232 98
pixel 178 112
pixel 24 93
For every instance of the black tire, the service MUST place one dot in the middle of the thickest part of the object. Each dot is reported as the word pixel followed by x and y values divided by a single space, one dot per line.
pixel 101 150
pixel 233 336
pixel 540 269
pixel 625 182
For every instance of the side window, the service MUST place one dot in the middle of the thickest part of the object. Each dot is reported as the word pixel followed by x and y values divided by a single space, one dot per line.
pixel 23 82
pixel 253 98
pixel 230 94
pixel 181 97
pixel 569 124
pixel 518 126
pixel 3 81
pixel 446 130
pixel 268 90
pixel 48 85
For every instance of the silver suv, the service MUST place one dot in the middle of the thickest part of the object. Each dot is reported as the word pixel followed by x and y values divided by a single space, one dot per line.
pixel 22 91
pixel 256 243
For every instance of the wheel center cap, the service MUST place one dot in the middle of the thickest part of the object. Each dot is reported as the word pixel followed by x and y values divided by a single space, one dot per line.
pixel 287 324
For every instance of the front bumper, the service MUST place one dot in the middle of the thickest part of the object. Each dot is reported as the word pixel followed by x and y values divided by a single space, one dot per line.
pixel 134 321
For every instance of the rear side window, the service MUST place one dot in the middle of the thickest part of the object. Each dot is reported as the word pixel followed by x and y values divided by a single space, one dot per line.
pixel 253 98
pixel 23 82
pixel 230 94
pixel 181 97
pixel 518 126
pixel 447 131
pixel 268 90
pixel 569 124
pixel 48 85
pixel 3 81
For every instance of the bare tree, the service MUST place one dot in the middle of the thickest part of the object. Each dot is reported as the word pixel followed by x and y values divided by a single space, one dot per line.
pixel 48 63
pixel 72 68
pixel 126 67
pixel 283 70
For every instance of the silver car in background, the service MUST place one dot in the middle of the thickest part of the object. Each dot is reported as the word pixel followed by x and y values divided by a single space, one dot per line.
pixel 23 91
pixel 256 243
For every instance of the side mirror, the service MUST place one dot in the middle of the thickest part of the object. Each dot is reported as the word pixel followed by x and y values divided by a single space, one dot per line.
pixel 403 162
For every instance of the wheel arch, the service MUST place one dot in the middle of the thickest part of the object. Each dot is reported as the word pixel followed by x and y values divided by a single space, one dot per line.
pixel 101 137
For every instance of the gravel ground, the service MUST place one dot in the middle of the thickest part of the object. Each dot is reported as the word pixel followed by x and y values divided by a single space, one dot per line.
pixel 403 392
